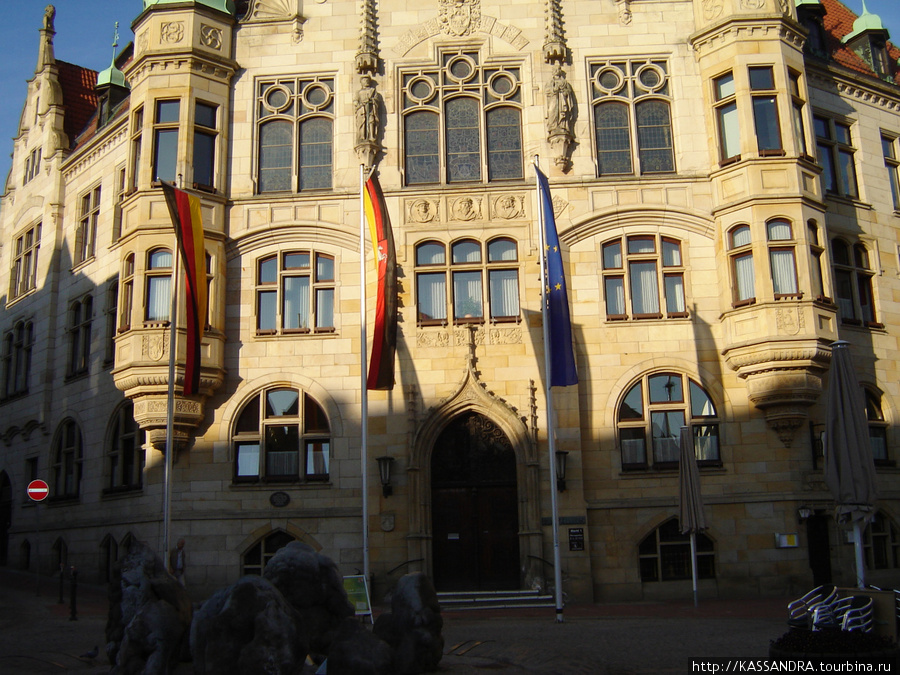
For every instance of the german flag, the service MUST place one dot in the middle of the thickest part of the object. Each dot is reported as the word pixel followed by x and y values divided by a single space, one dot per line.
pixel 186 217
pixel 384 339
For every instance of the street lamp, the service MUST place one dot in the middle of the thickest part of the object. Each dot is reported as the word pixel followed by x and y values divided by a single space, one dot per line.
pixel 561 470
pixel 384 471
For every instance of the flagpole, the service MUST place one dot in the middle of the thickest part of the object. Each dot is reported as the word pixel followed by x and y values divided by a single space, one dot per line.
pixel 170 408
pixel 364 424
pixel 551 432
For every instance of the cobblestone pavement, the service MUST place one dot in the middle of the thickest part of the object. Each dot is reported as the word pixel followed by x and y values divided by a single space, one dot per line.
pixel 38 637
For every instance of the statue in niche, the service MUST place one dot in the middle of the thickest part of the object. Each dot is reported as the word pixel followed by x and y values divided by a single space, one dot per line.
pixel 560 104
pixel 560 117
pixel 368 109
pixel 49 16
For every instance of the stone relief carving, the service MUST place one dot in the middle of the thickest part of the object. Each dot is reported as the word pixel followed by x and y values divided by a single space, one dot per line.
pixel 509 206
pixel 155 347
pixel 49 16
pixel 466 209
pixel 143 41
pixel 423 211
pixel 559 205
pixel 367 110
pixel 460 17
pixel 789 320
pixel 753 4
pixel 171 32
pixel 711 9
pixel 278 10
pixel 432 338
pixel 624 7
pixel 211 36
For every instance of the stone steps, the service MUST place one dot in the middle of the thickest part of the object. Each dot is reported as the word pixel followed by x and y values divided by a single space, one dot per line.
pixel 465 600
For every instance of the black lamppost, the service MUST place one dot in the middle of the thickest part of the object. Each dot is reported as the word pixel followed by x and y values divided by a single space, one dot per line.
pixel 384 471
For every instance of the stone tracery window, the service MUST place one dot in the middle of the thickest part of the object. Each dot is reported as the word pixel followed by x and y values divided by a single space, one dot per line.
pixel 295 126
pixel 632 116
pixel 462 121
pixel 67 458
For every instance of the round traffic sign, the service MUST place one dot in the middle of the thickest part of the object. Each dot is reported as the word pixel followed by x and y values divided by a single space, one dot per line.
pixel 38 490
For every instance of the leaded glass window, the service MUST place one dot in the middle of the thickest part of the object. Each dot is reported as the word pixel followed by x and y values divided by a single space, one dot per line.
pixel 295 134
pixel 462 122
pixel 631 104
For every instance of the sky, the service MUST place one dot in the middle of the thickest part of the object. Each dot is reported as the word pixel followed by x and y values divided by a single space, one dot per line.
pixel 84 35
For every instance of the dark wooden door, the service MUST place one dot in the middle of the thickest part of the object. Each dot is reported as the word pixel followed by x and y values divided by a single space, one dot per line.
pixel 819 548
pixel 475 525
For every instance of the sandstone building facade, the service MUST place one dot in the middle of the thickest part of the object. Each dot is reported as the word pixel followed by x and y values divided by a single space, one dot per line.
pixel 725 184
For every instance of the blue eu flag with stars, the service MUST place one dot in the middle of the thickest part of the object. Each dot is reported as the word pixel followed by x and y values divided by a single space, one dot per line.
pixel 562 356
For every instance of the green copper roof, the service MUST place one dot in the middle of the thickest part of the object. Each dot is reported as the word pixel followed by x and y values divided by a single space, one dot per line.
pixel 865 21
pixel 808 3
pixel 112 75
pixel 226 6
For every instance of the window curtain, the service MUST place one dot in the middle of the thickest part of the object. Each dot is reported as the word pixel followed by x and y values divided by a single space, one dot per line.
pixel 674 293
pixel 248 459
pixel 295 312
pixel 467 295
pixel 504 293
pixel 644 291
pixel 744 277
pixel 729 130
pixel 633 451
pixel 784 273
pixel 432 296
pixel 666 427
pixel 317 458
pixel 615 296
pixel 159 298
pixel 325 308
pixel 706 443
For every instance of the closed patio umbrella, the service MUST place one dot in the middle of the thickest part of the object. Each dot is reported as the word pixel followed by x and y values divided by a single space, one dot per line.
pixel 849 466
pixel 690 503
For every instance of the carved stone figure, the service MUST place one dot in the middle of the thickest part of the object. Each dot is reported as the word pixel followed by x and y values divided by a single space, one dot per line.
pixel 367 105
pixel 465 208
pixel 49 16
pixel 422 211
pixel 560 98
pixel 508 207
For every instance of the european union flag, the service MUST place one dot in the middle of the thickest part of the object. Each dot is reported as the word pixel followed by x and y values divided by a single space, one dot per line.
pixel 562 356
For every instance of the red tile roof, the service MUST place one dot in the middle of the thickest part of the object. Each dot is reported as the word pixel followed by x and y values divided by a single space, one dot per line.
pixel 838 22
pixel 79 97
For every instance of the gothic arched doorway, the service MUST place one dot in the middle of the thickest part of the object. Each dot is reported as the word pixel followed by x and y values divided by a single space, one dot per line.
pixel 475 523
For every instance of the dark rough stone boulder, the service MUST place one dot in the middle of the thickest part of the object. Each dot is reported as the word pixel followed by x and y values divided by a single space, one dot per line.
pixel 248 629
pixel 149 615
pixel 356 651
pixel 312 584
pixel 413 626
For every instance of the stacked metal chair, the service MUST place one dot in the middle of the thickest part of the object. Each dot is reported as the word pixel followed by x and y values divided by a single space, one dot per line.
pixel 821 609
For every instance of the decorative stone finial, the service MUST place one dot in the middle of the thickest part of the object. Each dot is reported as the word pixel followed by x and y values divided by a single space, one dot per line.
pixel 367 55
pixel 554 41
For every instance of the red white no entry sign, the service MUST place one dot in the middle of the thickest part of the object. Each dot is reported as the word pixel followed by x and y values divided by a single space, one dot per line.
pixel 38 490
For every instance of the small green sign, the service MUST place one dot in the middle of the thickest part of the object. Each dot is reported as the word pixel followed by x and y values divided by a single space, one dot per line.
pixel 358 593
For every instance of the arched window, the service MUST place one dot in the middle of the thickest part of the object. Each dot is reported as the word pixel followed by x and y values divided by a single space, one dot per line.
pixel 295 134
pixel 159 281
pixel 467 270
pixel 61 551
pixel 258 556
pixel 654 409
pixel 743 275
pixel 67 457
pixel 635 269
pixel 632 116
pixel 462 121
pixel 282 434
pixel 665 554
pixel 881 543
pixel 782 261
pixel 125 451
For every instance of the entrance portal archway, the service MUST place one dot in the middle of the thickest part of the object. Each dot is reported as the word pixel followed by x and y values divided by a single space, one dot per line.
pixel 475 521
